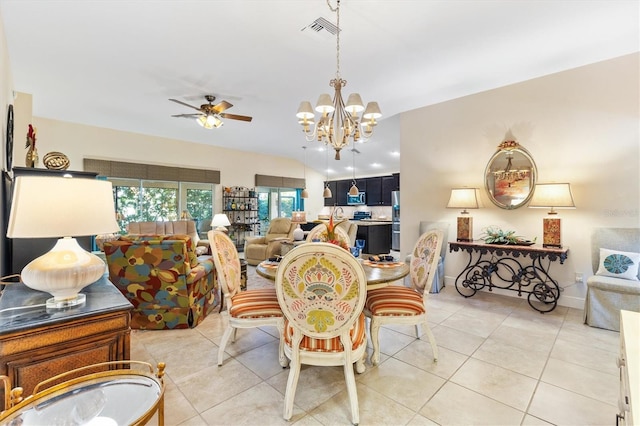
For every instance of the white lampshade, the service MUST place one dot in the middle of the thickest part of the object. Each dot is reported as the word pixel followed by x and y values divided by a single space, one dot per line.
pixel 325 104
pixel 372 111
pixel 354 104
pixel 298 217
pixel 552 196
pixel 219 221
pixel 464 198
pixel 45 207
pixel 305 111
pixel 327 192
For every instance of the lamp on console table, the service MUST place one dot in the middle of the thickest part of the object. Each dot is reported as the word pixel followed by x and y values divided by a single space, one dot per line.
pixel 298 218
pixel 464 198
pixel 46 207
pixel 220 221
pixel 552 196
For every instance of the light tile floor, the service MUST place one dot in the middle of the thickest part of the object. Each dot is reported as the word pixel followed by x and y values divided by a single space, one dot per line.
pixel 501 363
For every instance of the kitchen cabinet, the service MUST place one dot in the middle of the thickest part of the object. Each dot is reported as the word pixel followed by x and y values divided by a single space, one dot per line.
pixel 374 191
pixel 377 237
pixel 342 187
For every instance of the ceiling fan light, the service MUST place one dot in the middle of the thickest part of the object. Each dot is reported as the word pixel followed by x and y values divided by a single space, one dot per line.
pixel 305 111
pixel 204 122
pixel 354 104
pixel 324 104
pixel 354 189
pixel 372 111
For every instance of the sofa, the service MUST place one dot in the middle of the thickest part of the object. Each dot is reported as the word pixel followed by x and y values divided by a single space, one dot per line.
pixel 607 291
pixel 257 249
pixel 171 227
pixel 167 284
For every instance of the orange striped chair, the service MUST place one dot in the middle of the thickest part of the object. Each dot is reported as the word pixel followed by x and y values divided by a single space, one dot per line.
pixel 404 305
pixel 246 309
pixel 322 289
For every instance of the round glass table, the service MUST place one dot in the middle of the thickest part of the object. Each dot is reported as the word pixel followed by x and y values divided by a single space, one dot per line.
pixel 107 398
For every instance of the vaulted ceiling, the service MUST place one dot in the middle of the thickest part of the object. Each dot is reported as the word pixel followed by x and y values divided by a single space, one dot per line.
pixel 115 64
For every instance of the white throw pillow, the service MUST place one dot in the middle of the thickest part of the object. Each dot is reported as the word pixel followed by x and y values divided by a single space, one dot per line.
pixel 619 264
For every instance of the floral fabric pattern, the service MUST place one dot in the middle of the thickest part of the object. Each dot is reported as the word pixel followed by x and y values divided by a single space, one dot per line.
pixel 321 291
pixel 167 284
pixel 421 259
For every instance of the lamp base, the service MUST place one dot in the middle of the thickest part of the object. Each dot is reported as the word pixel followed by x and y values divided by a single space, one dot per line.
pixel 54 303
pixel 465 229
pixel 63 272
pixel 298 233
pixel 222 229
pixel 551 232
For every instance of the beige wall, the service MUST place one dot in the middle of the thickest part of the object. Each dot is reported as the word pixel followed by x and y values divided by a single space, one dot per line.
pixel 581 126
pixel 237 168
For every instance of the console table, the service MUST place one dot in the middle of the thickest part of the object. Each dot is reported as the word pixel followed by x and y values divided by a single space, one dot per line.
pixel 511 267
pixel 37 343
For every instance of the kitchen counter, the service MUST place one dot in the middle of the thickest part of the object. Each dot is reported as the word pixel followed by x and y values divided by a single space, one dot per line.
pixel 377 236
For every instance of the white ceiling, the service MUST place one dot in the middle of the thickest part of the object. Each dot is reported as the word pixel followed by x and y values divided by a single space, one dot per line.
pixel 115 63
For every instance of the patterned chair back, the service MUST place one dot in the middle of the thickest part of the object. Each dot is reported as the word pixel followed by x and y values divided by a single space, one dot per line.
pixel 320 232
pixel 321 289
pixel 225 257
pixel 424 259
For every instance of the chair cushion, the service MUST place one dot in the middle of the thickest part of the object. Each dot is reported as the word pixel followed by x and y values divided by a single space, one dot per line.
pixel 261 303
pixel 358 337
pixel 394 301
pixel 618 264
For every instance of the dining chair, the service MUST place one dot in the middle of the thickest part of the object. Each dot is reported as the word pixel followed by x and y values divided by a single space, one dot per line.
pixel 319 232
pixel 246 309
pixel 404 305
pixel 322 289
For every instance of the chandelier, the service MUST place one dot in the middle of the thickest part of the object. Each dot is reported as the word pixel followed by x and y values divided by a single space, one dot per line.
pixel 338 122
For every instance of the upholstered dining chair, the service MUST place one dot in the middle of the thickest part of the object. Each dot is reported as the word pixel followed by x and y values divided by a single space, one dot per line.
pixel 319 232
pixel 322 289
pixel 404 305
pixel 246 309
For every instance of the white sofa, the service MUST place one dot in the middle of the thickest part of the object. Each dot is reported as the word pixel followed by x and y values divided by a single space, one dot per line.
pixel 171 227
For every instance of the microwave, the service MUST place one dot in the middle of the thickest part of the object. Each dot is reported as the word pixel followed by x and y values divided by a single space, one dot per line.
pixel 356 200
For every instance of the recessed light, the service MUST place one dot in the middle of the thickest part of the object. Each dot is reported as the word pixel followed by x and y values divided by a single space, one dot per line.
pixel 376 165
pixel 395 153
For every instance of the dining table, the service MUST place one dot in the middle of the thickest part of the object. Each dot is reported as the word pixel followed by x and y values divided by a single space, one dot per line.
pixel 379 274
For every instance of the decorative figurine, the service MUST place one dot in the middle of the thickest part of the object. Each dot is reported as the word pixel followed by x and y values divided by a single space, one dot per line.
pixel 32 153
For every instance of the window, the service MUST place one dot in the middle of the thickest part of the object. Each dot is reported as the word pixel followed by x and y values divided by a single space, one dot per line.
pixel 149 200
pixel 276 202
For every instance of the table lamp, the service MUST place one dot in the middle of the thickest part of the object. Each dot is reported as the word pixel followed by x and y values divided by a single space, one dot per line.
pixel 464 198
pixel 552 196
pixel 298 218
pixel 220 221
pixel 46 207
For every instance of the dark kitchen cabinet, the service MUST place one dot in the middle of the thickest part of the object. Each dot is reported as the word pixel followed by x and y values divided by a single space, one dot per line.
pixel 377 238
pixel 374 191
pixel 388 185
pixel 342 187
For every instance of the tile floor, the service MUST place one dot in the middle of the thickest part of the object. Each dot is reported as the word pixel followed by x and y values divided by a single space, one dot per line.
pixel 501 363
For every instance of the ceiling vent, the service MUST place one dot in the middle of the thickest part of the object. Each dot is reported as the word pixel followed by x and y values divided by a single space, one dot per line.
pixel 321 27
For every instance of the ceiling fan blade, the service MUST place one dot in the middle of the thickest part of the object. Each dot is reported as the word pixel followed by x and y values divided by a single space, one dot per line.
pixel 222 106
pixel 236 117
pixel 185 104
pixel 188 115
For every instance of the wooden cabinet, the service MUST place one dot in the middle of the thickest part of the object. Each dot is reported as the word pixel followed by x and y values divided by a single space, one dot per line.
pixel 377 237
pixel 378 190
pixel 36 343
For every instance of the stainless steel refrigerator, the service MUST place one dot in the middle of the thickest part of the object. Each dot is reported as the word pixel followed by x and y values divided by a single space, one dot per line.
pixel 395 218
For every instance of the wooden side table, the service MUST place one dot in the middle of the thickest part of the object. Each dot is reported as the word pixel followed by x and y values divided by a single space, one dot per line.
pixel 36 343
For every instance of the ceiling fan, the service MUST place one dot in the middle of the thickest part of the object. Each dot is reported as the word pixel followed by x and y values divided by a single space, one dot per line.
pixel 210 115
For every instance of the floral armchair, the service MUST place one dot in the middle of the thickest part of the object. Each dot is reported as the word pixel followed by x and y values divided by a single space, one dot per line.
pixel 167 284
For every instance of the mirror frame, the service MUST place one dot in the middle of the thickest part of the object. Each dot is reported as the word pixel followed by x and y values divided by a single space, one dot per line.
pixel 525 173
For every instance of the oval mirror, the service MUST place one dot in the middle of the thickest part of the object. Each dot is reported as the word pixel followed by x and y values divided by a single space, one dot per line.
pixel 510 176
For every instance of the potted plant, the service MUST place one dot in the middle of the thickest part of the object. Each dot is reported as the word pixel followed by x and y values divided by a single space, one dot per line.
pixel 495 235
